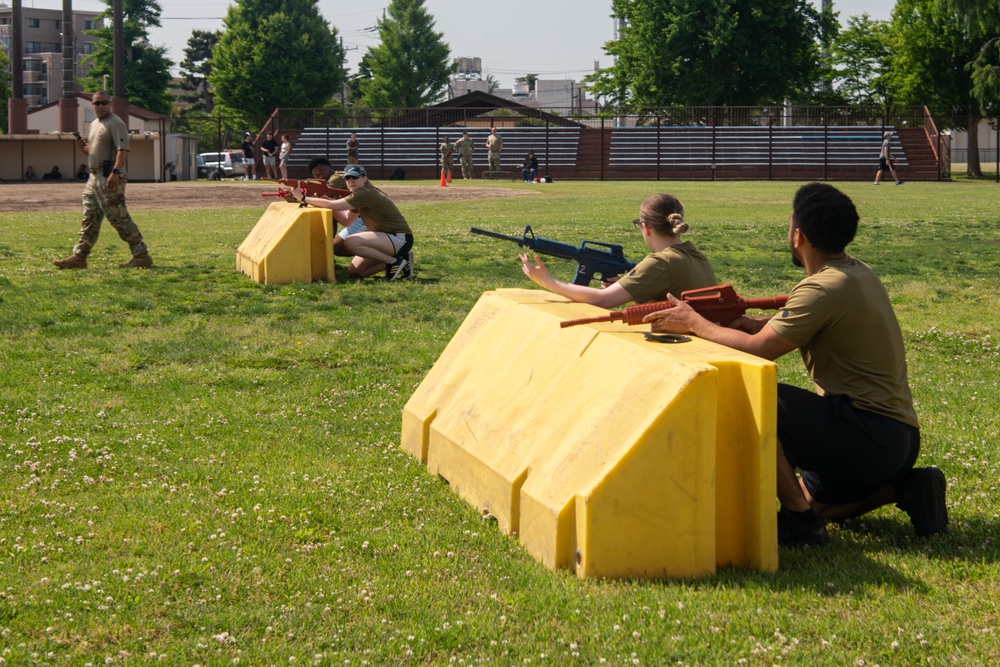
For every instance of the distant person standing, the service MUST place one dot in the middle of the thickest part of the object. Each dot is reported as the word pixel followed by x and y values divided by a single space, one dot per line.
pixel 286 148
pixel 269 151
pixel 494 143
pixel 249 163
pixel 446 148
pixel 352 149
pixel 464 147
pixel 885 160
pixel 104 195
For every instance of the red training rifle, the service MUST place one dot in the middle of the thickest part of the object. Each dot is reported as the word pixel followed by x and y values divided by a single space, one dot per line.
pixel 720 304
pixel 311 188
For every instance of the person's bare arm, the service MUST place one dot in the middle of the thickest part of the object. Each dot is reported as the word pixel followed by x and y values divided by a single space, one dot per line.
pixel 609 297
pixel 682 318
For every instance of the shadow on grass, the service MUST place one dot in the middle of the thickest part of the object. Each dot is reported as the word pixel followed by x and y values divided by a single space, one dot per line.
pixel 971 540
pixel 854 559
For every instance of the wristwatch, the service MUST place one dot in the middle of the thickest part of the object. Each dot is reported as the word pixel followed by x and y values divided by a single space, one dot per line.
pixel 116 172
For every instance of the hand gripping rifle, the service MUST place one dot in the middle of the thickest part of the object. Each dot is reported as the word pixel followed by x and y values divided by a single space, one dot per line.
pixel 311 188
pixel 592 257
pixel 720 304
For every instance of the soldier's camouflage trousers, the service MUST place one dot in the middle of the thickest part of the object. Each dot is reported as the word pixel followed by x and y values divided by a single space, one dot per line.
pixel 467 165
pixel 99 202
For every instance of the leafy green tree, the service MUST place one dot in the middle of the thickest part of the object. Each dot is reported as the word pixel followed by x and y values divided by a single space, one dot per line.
pixel 412 66
pixel 492 83
pixel 147 68
pixel 275 53
pixel 982 21
pixel 5 91
pixel 931 53
pixel 860 55
pixel 196 67
pixel 529 79
pixel 723 52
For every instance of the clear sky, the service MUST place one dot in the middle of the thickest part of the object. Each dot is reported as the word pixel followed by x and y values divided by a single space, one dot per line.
pixel 556 39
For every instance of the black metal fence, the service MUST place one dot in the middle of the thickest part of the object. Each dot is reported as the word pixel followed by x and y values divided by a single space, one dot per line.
pixel 294 120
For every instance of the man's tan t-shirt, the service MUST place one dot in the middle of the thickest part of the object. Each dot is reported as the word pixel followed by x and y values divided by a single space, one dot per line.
pixel 849 338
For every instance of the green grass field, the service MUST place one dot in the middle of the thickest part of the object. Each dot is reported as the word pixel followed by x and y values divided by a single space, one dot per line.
pixel 200 470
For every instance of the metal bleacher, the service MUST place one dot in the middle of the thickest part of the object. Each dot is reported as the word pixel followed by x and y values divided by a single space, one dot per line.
pixel 750 152
pixel 848 152
pixel 748 146
pixel 415 149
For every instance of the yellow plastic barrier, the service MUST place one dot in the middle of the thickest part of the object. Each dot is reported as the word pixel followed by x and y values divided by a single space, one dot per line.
pixel 289 244
pixel 603 451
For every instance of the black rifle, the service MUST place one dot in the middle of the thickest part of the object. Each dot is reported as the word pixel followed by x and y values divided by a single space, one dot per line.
pixel 592 257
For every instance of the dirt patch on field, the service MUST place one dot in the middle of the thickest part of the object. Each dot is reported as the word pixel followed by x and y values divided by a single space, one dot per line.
pixel 145 196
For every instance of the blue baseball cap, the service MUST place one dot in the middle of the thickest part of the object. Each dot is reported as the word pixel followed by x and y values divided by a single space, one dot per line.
pixel 355 170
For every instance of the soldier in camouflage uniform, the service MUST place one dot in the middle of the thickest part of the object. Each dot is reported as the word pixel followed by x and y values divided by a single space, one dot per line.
pixel 104 196
pixel 447 148
pixel 495 144
pixel 464 147
pixel 352 149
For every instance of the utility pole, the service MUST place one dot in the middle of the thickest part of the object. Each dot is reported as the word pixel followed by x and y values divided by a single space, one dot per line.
pixel 826 7
pixel 343 69
pixel 119 100
pixel 17 106
pixel 68 117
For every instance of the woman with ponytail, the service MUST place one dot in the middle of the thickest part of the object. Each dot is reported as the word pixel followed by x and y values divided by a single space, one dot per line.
pixel 673 265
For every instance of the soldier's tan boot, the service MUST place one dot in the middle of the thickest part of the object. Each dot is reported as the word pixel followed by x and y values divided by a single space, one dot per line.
pixel 71 262
pixel 141 261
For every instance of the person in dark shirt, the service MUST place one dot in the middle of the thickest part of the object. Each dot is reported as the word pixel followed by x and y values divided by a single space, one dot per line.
pixel 53 175
pixel 249 162
pixel 529 168
pixel 269 150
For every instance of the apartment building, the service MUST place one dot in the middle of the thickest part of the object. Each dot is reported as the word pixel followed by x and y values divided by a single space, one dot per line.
pixel 41 40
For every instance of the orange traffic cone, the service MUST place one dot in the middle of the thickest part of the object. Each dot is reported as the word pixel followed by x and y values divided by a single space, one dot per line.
pixel 449 176
pixel 443 183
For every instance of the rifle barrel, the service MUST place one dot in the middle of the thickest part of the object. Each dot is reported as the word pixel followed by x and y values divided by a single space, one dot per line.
pixel 586 320
pixel 767 302
pixel 496 235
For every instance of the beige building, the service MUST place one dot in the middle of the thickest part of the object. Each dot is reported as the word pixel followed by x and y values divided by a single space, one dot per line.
pixel 41 41
pixel 156 154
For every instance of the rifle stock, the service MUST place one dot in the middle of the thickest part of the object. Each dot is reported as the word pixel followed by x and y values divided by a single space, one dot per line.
pixel 719 303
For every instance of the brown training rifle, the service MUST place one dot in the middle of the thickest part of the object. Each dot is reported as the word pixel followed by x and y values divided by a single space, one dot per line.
pixel 720 304
pixel 311 188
